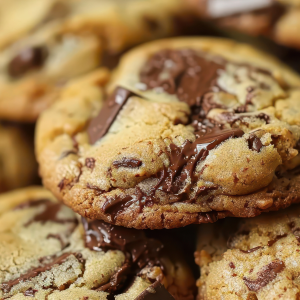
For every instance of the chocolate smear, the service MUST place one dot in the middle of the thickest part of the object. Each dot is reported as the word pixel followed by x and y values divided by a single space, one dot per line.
pixel 140 250
pixel 99 126
pixel 49 213
pixel 7 286
pixel 27 60
pixel 155 291
pixel 265 275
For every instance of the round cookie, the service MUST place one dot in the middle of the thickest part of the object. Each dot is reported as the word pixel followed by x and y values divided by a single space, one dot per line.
pixel 193 130
pixel 278 20
pixel 18 166
pixel 250 259
pixel 48 253
pixel 72 40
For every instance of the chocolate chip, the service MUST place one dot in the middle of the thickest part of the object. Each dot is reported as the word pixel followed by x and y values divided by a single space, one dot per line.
pixel 90 162
pixel 151 23
pixel 254 143
pixel 127 163
pixel 265 275
pixel 28 59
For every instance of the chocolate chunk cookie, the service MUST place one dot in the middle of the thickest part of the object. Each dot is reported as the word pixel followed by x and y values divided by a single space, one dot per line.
pixel 250 259
pixel 275 19
pixel 71 39
pixel 17 163
pixel 49 253
pixel 193 130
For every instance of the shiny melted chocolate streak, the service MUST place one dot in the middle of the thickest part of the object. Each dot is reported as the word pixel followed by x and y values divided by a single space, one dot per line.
pixel 140 250
pixel 192 77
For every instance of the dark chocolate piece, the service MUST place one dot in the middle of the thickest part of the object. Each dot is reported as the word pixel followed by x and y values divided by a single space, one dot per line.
pixel 99 126
pixel 155 291
pixel 127 163
pixel 265 275
pixel 254 143
pixel 26 60
pixel 102 236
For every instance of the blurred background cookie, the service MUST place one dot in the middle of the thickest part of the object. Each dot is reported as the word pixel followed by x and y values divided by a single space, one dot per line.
pixel 18 166
pixel 276 19
pixel 67 38
pixel 49 253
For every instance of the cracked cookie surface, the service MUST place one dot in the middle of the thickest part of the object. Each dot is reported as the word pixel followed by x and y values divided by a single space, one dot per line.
pixel 68 38
pixel 193 130
pixel 250 259
pixel 47 252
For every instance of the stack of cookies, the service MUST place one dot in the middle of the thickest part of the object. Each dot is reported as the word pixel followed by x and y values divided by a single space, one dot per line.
pixel 133 145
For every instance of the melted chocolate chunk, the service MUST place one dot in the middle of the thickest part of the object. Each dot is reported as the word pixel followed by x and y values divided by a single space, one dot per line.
pixel 265 275
pixel 99 126
pixel 103 236
pixel 185 73
pixel 28 59
pixel 127 163
pixel 278 237
pixel 140 250
pixel 156 291
pixel 184 159
pixel 7 286
pixel 114 205
pixel 252 249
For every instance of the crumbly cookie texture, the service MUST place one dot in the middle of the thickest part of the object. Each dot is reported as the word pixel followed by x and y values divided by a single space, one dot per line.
pixel 192 131
pixel 250 259
pixel 278 20
pixel 47 252
pixel 18 167
pixel 71 39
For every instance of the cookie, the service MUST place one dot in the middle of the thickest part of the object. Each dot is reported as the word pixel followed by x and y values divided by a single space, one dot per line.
pixel 18 166
pixel 18 17
pixel 250 259
pixel 278 20
pixel 193 130
pixel 49 253
pixel 75 38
